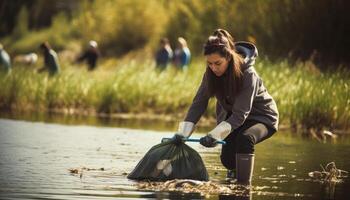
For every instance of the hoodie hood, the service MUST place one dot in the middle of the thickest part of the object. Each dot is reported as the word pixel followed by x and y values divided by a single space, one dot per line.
pixel 248 51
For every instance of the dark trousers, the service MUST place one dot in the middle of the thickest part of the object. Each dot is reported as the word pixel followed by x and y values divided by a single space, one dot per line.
pixel 242 141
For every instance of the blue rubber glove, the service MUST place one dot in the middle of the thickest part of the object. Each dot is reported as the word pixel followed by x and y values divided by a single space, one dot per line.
pixel 208 141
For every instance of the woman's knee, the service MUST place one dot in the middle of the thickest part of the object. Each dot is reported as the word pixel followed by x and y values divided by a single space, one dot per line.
pixel 245 143
pixel 228 160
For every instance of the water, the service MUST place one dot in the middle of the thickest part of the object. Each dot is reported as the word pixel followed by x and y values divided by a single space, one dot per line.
pixel 35 158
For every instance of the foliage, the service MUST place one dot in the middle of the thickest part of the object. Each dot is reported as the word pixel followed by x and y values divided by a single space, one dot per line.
pixel 292 29
pixel 303 96
pixel 120 26
pixel 57 36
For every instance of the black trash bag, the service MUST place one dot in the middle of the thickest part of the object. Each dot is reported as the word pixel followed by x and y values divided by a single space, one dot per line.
pixel 170 160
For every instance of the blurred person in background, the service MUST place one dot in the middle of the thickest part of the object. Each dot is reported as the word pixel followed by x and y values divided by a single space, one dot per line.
pixel 182 54
pixel 164 54
pixel 26 59
pixel 91 55
pixel 5 60
pixel 50 60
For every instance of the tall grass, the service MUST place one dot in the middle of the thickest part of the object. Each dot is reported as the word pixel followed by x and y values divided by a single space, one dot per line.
pixel 308 97
pixel 304 96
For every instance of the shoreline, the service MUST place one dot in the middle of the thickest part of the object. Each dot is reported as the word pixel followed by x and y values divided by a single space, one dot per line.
pixel 205 122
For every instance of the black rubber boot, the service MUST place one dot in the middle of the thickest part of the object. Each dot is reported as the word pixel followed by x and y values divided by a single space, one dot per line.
pixel 244 168
pixel 231 176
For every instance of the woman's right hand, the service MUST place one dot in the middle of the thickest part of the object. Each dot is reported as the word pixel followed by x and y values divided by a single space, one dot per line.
pixel 185 129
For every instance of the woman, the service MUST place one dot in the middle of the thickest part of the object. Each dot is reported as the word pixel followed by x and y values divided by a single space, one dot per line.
pixel 50 60
pixel 164 54
pixel 246 113
pixel 91 55
pixel 5 60
pixel 182 54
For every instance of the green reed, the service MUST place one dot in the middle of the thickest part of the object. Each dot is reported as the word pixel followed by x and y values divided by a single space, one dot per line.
pixel 304 95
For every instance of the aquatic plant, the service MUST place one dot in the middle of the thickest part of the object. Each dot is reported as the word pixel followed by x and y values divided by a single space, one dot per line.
pixel 311 100
pixel 330 173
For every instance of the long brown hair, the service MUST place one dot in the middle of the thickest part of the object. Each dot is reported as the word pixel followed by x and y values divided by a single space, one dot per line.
pixel 45 46
pixel 222 43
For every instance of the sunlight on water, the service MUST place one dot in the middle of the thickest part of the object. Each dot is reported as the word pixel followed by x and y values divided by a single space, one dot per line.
pixel 36 159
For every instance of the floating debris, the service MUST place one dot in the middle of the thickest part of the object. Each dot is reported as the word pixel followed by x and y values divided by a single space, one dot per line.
pixel 330 173
pixel 322 136
pixel 79 171
pixel 193 186
pixel 263 169
pixel 74 171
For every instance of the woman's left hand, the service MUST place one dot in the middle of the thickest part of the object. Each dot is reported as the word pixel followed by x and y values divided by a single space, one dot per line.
pixel 208 141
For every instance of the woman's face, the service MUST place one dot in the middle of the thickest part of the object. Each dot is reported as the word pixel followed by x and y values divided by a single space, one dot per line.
pixel 217 63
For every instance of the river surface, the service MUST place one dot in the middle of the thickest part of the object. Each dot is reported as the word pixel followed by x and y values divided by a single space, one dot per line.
pixel 35 158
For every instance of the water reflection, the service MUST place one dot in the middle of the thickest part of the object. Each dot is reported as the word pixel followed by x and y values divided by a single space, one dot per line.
pixel 101 121
pixel 236 197
pixel 35 159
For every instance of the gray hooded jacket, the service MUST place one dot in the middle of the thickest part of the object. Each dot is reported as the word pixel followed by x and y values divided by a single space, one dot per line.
pixel 253 102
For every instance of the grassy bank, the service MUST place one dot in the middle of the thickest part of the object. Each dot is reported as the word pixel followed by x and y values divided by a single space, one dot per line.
pixel 304 96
